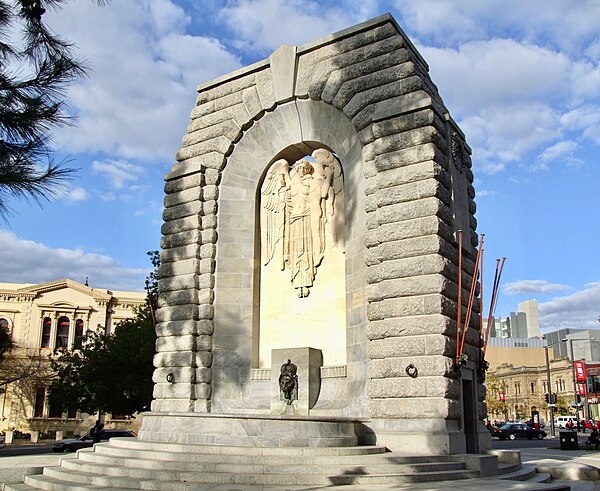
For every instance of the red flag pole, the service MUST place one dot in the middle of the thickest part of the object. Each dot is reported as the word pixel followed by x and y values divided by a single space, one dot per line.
pixel 471 295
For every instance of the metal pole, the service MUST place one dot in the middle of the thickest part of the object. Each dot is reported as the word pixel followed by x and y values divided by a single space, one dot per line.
pixel 550 405
pixel 574 382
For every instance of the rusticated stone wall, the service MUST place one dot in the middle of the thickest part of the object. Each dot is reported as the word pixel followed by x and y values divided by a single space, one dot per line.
pixel 364 94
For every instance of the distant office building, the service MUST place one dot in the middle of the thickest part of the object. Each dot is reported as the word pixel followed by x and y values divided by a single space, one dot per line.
pixel 532 315
pixel 586 343
pixel 525 323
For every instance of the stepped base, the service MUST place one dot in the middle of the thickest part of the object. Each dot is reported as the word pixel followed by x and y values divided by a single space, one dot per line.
pixel 250 430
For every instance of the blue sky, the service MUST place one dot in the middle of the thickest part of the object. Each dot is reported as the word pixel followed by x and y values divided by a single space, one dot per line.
pixel 521 78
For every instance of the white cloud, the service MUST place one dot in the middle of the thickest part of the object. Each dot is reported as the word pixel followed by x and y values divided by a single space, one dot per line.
pixel 570 25
pixel 532 287
pixel 265 24
pixel 118 172
pixel 76 195
pixel 26 261
pixel 559 150
pixel 141 86
pixel 578 310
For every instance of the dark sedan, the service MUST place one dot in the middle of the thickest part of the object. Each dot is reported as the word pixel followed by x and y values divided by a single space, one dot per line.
pixel 72 444
pixel 512 431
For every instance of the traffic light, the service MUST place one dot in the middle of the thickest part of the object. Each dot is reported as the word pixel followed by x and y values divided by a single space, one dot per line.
pixel 548 398
pixel 578 399
pixel 553 398
pixel 501 396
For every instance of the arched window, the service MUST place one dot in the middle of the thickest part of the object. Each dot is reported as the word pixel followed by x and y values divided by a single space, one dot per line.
pixel 62 333
pixel 78 334
pixel 46 329
pixel 5 325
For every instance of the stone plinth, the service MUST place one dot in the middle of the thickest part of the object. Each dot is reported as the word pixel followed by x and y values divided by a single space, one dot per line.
pixel 250 430
pixel 308 362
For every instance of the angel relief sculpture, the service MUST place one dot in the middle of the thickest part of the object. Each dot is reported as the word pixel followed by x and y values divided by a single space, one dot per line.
pixel 302 208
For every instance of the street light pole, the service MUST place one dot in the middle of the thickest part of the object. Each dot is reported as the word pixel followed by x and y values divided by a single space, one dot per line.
pixel 575 393
pixel 550 404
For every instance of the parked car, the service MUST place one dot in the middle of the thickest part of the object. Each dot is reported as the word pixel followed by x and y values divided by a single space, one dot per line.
pixel 512 431
pixel 72 444
pixel 561 421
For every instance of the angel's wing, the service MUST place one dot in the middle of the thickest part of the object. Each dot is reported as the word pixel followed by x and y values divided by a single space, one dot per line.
pixel 273 211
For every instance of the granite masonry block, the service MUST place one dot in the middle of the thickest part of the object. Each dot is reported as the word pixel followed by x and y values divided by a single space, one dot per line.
pixel 180 239
pixel 396 176
pixel 405 306
pixel 180 253
pixel 410 247
pixel 422 386
pixel 176 343
pixel 406 287
pixel 179 225
pixel 392 68
pixel 208 251
pixel 392 232
pixel 409 157
pixel 190 195
pixel 404 268
pixel 405 140
pixel 181 184
pixel 381 93
pixel 226 88
pixel 180 297
pixel 177 313
pixel 177 374
pixel 415 407
pixel 173 391
pixel 183 267
pixel 427 366
pixel 181 328
pixel 423 345
pixel 214 105
pixel 208 222
pixel 413 326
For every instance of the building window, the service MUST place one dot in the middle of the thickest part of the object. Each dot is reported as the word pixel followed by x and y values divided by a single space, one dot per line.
pixel 545 386
pixel 40 400
pixel 517 388
pixel 5 325
pixel 533 387
pixel 46 329
pixel 72 414
pixel 62 333
pixel 54 410
pixel 78 334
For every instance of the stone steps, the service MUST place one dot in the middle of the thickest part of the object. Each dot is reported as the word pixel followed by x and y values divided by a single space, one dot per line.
pixel 255 464
pixel 126 464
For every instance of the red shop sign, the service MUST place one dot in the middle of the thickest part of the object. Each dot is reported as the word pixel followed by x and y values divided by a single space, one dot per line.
pixel 580 371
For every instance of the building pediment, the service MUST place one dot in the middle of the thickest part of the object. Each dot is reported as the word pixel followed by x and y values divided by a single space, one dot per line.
pixel 65 283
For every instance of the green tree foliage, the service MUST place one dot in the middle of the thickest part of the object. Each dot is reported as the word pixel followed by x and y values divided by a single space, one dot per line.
pixel 495 407
pixel 5 343
pixel 110 373
pixel 34 71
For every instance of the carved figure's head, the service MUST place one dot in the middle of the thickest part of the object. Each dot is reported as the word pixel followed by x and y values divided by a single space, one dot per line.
pixel 304 167
pixel 286 384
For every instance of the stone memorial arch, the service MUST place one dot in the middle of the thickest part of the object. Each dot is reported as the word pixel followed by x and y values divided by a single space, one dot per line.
pixel 310 237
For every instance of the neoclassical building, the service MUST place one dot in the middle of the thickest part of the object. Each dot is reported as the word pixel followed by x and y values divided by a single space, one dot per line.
pixel 42 318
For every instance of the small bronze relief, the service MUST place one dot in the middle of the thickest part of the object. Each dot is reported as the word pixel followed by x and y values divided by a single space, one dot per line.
pixel 288 382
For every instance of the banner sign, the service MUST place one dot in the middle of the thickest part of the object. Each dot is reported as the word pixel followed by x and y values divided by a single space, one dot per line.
pixel 580 371
pixel 581 388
